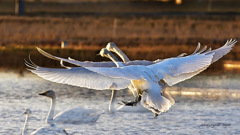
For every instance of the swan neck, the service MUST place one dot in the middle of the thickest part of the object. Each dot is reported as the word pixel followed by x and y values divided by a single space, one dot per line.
pixel 115 60
pixel 24 131
pixel 122 55
pixel 51 111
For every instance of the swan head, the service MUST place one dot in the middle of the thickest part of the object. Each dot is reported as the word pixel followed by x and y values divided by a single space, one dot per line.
pixel 110 46
pixel 49 93
pixel 27 111
pixel 104 52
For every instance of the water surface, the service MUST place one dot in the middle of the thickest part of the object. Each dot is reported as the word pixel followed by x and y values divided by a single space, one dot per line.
pixel 188 115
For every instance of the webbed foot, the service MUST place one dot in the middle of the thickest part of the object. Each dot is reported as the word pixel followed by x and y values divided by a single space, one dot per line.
pixel 155 115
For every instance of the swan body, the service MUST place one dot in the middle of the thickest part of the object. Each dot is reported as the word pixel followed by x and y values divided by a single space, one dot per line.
pixel 73 116
pixel 76 116
pixel 49 129
pixel 146 80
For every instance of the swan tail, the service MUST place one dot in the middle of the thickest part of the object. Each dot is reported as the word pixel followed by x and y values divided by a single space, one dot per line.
pixel 155 102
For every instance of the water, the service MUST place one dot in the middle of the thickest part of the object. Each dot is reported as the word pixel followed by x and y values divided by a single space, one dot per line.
pixel 187 116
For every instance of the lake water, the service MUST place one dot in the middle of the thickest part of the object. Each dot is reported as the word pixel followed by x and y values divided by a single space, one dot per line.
pixel 189 115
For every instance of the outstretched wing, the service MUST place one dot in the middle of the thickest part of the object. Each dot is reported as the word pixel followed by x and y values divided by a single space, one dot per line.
pixel 171 67
pixel 78 63
pixel 175 70
pixel 93 64
pixel 79 76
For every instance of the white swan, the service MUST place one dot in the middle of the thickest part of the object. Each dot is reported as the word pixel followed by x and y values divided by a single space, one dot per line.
pixel 27 112
pixel 72 116
pixel 106 53
pixel 143 78
pixel 48 129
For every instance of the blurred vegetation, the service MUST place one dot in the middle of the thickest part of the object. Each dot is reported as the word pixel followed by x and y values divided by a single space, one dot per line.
pixel 147 30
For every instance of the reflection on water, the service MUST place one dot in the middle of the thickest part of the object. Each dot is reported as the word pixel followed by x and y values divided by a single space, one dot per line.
pixel 200 101
pixel 230 65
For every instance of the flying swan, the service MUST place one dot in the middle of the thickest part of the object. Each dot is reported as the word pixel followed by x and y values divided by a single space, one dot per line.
pixel 106 52
pixel 147 80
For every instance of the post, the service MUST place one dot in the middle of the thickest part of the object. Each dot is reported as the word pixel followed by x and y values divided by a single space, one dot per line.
pixel 115 21
pixel 64 44
pixel 19 7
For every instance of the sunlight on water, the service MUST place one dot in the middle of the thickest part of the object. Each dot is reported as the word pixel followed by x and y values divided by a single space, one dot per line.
pixel 204 105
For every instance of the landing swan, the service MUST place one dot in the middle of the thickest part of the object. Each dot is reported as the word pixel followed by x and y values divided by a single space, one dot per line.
pixel 143 78
pixel 72 116
pixel 48 129
pixel 105 52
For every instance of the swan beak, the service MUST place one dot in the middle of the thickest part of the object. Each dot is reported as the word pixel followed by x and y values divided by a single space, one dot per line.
pixel 26 111
pixel 43 94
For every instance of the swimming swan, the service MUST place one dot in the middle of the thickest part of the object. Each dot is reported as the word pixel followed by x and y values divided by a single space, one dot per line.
pixel 143 78
pixel 72 116
pixel 48 129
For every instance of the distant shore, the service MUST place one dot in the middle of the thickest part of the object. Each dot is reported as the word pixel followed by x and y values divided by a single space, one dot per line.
pixel 139 37
pixel 124 31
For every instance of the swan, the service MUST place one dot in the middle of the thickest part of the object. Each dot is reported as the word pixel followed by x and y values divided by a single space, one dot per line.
pixel 105 52
pixel 27 112
pixel 48 129
pixel 111 46
pixel 72 116
pixel 144 79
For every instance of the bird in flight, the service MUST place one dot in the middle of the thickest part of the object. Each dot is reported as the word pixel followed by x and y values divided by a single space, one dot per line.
pixel 147 81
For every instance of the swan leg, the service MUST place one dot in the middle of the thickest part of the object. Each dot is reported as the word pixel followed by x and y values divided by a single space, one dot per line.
pixel 112 100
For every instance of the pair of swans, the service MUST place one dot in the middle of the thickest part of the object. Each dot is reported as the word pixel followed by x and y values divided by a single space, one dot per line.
pixel 73 116
pixel 144 80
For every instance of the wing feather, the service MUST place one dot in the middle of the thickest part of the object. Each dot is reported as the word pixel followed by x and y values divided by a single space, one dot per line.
pixel 80 76
pixel 226 48
pixel 178 75
pixel 78 63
